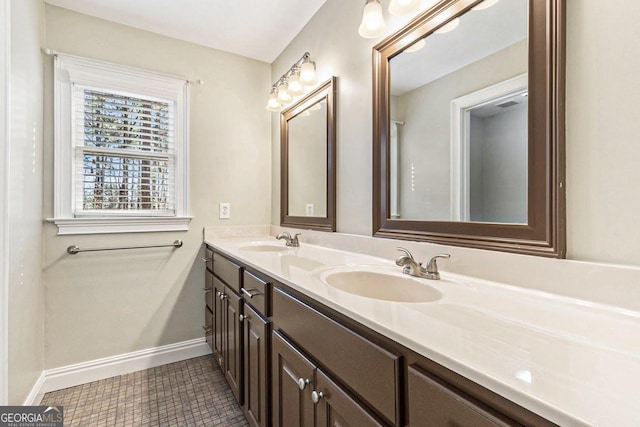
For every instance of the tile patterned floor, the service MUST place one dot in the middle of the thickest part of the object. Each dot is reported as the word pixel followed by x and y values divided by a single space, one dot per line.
pixel 188 393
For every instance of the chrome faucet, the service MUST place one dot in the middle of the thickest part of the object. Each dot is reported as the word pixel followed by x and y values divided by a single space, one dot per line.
pixel 416 269
pixel 290 241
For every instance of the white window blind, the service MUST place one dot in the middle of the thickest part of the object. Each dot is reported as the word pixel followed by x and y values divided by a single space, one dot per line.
pixel 125 154
pixel 121 148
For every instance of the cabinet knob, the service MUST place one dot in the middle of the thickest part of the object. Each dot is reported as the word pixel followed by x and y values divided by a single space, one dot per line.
pixel 222 296
pixel 206 259
pixel 207 329
pixel 302 383
pixel 207 290
pixel 242 317
pixel 316 396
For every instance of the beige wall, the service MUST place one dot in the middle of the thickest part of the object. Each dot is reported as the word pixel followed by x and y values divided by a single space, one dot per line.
pixel 108 303
pixel 26 292
pixel 602 130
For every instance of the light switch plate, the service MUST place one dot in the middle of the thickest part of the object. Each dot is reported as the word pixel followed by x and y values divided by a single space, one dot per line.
pixel 225 211
pixel 309 209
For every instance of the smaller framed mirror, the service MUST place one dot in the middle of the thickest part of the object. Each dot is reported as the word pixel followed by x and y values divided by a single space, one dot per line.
pixel 308 161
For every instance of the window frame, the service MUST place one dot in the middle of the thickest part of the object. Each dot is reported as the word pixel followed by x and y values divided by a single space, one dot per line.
pixel 72 70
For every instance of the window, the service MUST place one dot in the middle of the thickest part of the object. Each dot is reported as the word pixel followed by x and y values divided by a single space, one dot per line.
pixel 121 149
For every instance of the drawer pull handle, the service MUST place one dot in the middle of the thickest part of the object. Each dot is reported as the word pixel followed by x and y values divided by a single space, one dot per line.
pixel 243 317
pixel 207 329
pixel 207 259
pixel 207 290
pixel 316 396
pixel 302 383
pixel 251 292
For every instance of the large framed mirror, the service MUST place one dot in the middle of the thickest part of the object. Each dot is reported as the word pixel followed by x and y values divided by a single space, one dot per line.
pixel 469 127
pixel 308 161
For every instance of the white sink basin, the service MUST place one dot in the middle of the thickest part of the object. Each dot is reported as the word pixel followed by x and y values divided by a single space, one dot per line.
pixel 263 247
pixel 380 284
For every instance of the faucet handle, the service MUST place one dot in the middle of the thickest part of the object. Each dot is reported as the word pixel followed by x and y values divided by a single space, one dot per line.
pixel 432 266
pixel 406 251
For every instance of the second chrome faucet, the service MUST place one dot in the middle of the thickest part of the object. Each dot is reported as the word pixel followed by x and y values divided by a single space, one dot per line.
pixel 413 268
pixel 289 241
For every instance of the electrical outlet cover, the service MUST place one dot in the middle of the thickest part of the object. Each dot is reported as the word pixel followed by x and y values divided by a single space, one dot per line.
pixel 225 210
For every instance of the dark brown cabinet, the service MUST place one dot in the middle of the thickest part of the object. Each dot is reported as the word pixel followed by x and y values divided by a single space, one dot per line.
pixel 256 331
pixel 305 396
pixel 232 342
pixel 434 403
pixel 293 381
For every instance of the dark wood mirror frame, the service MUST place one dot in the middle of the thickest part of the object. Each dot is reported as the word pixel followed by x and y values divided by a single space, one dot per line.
pixel 544 234
pixel 328 223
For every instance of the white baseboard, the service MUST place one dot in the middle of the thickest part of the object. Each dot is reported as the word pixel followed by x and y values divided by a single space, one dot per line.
pixel 99 369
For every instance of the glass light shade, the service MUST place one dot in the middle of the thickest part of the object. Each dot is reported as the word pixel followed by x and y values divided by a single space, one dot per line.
pixel 372 24
pixel 308 74
pixel 283 96
pixel 449 26
pixel 294 87
pixel 273 104
pixel 416 46
pixel 486 4
pixel 403 7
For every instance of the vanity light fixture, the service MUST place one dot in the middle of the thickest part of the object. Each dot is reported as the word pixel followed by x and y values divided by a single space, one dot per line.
pixel 292 83
pixel 449 26
pixel 403 7
pixel 416 46
pixel 372 24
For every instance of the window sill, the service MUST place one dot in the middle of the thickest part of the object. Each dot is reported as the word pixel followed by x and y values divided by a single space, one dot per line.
pixel 67 226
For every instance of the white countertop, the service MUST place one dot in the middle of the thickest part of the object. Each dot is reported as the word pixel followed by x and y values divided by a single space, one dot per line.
pixel 573 362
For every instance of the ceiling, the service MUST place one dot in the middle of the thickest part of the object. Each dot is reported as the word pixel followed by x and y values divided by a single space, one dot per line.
pixel 258 29
pixel 480 34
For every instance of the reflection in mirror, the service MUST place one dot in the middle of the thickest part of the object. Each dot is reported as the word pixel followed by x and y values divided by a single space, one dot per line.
pixel 469 127
pixel 307 161
pixel 307 132
pixel 459 158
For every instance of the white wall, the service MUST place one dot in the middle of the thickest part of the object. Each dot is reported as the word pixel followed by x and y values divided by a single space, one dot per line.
pixel 602 130
pixel 108 303
pixel 26 292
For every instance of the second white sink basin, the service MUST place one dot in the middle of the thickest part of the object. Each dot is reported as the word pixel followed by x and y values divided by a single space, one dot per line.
pixel 381 285
pixel 263 247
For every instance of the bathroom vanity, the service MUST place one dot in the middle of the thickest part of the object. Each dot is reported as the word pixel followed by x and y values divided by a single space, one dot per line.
pixel 299 348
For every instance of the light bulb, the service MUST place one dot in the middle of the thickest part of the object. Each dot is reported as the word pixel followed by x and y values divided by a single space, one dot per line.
pixel 416 46
pixel 294 87
pixel 273 104
pixel 308 74
pixel 372 25
pixel 486 4
pixel 449 26
pixel 403 7
pixel 283 96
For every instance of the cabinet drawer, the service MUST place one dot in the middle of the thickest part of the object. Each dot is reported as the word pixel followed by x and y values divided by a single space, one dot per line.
pixel 256 292
pixel 434 403
pixel 372 372
pixel 208 289
pixel 228 271
pixel 208 257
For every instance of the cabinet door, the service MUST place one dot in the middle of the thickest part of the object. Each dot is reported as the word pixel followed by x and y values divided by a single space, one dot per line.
pixel 218 320
pixel 435 403
pixel 232 343
pixel 335 408
pixel 293 379
pixel 255 353
pixel 208 326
